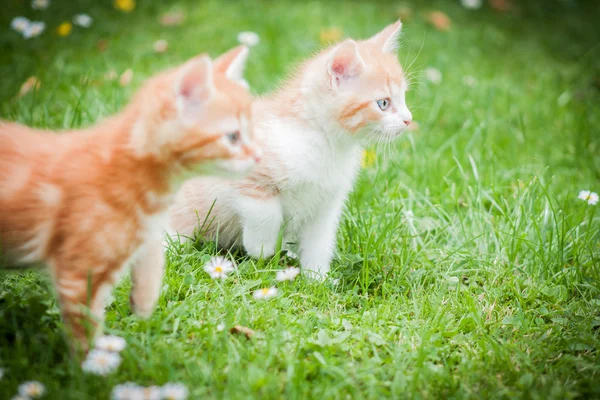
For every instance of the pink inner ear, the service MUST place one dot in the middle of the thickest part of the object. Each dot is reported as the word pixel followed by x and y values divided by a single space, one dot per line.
pixel 338 67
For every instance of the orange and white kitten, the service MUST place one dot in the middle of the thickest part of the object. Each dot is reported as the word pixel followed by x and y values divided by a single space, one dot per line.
pixel 311 131
pixel 87 202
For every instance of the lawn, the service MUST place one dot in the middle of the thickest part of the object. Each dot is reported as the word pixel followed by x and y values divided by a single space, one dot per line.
pixel 466 265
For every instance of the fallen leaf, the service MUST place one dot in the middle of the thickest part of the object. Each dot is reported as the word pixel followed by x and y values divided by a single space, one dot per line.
pixel 500 5
pixel 439 20
pixel 172 18
pixel 126 77
pixel 31 83
pixel 102 45
pixel 238 329
pixel 330 35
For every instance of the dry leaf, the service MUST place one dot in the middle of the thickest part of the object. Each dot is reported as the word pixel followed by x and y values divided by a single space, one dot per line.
pixel 238 329
pixel 439 20
pixel 126 77
pixel 31 83
pixel 172 18
pixel 500 5
pixel 330 35
pixel 102 45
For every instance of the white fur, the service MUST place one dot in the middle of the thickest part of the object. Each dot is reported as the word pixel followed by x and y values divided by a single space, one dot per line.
pixel 310 160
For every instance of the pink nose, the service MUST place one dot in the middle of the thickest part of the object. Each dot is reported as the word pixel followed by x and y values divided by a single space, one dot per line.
pixel 407 122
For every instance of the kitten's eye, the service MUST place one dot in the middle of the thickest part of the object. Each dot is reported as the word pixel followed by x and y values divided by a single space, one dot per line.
pixel 383 104
pixel 233 137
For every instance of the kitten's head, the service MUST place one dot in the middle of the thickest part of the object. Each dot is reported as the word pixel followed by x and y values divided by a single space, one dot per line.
pixel 199 116
pixel 362 87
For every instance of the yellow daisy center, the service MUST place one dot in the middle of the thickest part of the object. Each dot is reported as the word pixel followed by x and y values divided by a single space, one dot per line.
pixel 219 269
pixel 265 290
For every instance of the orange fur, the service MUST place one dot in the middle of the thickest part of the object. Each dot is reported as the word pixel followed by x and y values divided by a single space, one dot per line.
pixel 87 201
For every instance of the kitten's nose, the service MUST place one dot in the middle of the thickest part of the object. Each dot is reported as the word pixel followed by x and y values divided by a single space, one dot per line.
pixel 407 122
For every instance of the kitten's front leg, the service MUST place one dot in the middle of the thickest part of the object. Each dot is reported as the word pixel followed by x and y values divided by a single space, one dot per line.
pixel 261 222
pixel 146 278
pixel 317 241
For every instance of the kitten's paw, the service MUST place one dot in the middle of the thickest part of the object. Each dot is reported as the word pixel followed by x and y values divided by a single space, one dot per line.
pixel 258 249
pixel 142 306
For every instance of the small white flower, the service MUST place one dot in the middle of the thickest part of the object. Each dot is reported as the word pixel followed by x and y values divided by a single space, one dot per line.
pixel 34 29
pixel 127 391
pixel 151 393
pixel 101 362
pixel 83 20
pixel 265 293
pixel 174 391
pixel 288 274
pixel 590 197
pixel 110 343
pixel 248 38
pixel 219 267
pixel 160 46
pixel 32 389
pixel 20 24
pixel 220 327
pixel 40 4
pixel 433 75
pixel 471 4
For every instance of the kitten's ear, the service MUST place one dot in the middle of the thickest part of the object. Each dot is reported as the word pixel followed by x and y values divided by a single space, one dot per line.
pixel 233 64
pixel 194 87
pixel 344 63
pixel 387 39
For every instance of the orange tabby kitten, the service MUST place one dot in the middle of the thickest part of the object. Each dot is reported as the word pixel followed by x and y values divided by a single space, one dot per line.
pixel 87 202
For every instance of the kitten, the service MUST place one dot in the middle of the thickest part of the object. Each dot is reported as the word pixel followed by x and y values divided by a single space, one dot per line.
pixel 311 131
pixel 87 202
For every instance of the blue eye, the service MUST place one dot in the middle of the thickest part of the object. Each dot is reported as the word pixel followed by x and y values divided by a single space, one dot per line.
pixel 383 104
pixel 233 137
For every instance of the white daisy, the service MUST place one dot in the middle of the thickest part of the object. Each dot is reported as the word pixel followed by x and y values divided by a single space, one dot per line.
pixel 40 4
pixel 101 362
pixel 220 327
pixel 471 4
pixel 83 20
pixel 174 391
pixel 265 293
pixel 20 24
pixel 590 197
pixel 152 393
pixel 127 391
pixel 433 75
pixel 111 343
pixel 219 267
pixel 248 38
pixel 32 389
pixel 288 274
pixel 34 29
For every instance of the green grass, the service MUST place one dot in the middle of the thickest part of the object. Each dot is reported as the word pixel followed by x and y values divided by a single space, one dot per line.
pixel 467 267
